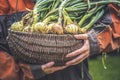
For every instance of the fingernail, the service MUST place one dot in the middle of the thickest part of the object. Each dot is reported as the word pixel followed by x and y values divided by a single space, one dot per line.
pixel 75 35
pixel 51 62
pixel 67 64
pixel 68 55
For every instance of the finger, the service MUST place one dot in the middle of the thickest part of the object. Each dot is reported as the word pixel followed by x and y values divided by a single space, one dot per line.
pixel 78 52
pixel 79 58
pixel 81 36
pixel 59 68
pixel 48 65
pixel 54 69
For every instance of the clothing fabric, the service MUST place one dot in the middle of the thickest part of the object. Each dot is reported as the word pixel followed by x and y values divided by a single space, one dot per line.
pixel 107 31
pixel 105 36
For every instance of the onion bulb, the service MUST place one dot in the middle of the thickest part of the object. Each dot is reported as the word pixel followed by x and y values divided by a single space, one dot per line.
pixel 72 29
pixel 41 27
pixel 17 26
pixel 56 28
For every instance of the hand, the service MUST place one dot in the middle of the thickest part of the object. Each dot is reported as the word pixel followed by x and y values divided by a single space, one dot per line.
pixel 81 53
pixel 50 68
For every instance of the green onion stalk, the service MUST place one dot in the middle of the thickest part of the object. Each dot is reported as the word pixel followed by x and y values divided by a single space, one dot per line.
pixel 71 8
pixel 43 27
pixel 69 26
pixel 39 11
pixel 72 2
pixel 88 16
pixel 57 27
pixel 68 8
pixel 54 8
pixel 104 60
pixel 92 22
pixel 81 6
pixel 39 7
pixel 103 2
pixel 51 12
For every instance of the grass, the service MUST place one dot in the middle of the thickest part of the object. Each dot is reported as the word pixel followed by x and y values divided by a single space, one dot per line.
pixel 111 73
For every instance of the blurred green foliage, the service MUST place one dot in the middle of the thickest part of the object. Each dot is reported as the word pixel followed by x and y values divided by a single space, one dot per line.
pixel 111 73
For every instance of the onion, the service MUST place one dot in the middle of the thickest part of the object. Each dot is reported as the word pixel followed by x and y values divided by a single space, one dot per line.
pixel 17 26
pixel 40 27
pixel 55 28
pixel 27 29
pixel 71 28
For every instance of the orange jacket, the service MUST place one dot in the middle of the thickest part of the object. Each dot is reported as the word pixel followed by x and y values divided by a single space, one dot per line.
pixel 105 37
pixel 9 6
pixel 109 39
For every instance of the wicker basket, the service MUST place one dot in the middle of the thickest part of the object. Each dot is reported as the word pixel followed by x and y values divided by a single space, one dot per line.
pixel 41 48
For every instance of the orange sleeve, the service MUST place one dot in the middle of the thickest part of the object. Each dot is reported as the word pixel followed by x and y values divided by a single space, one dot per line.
pixel 4 7
pixel 11 6
pixel 20 5
pixel 25 73
pixel 109 39
pixel 9 70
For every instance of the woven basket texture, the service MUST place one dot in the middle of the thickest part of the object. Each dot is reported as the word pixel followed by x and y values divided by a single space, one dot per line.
pixel 39 48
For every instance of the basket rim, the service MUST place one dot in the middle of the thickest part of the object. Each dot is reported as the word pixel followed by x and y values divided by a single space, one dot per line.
pixel 34 33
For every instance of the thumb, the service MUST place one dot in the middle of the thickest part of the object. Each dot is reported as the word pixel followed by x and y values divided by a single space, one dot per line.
pixel 81 36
